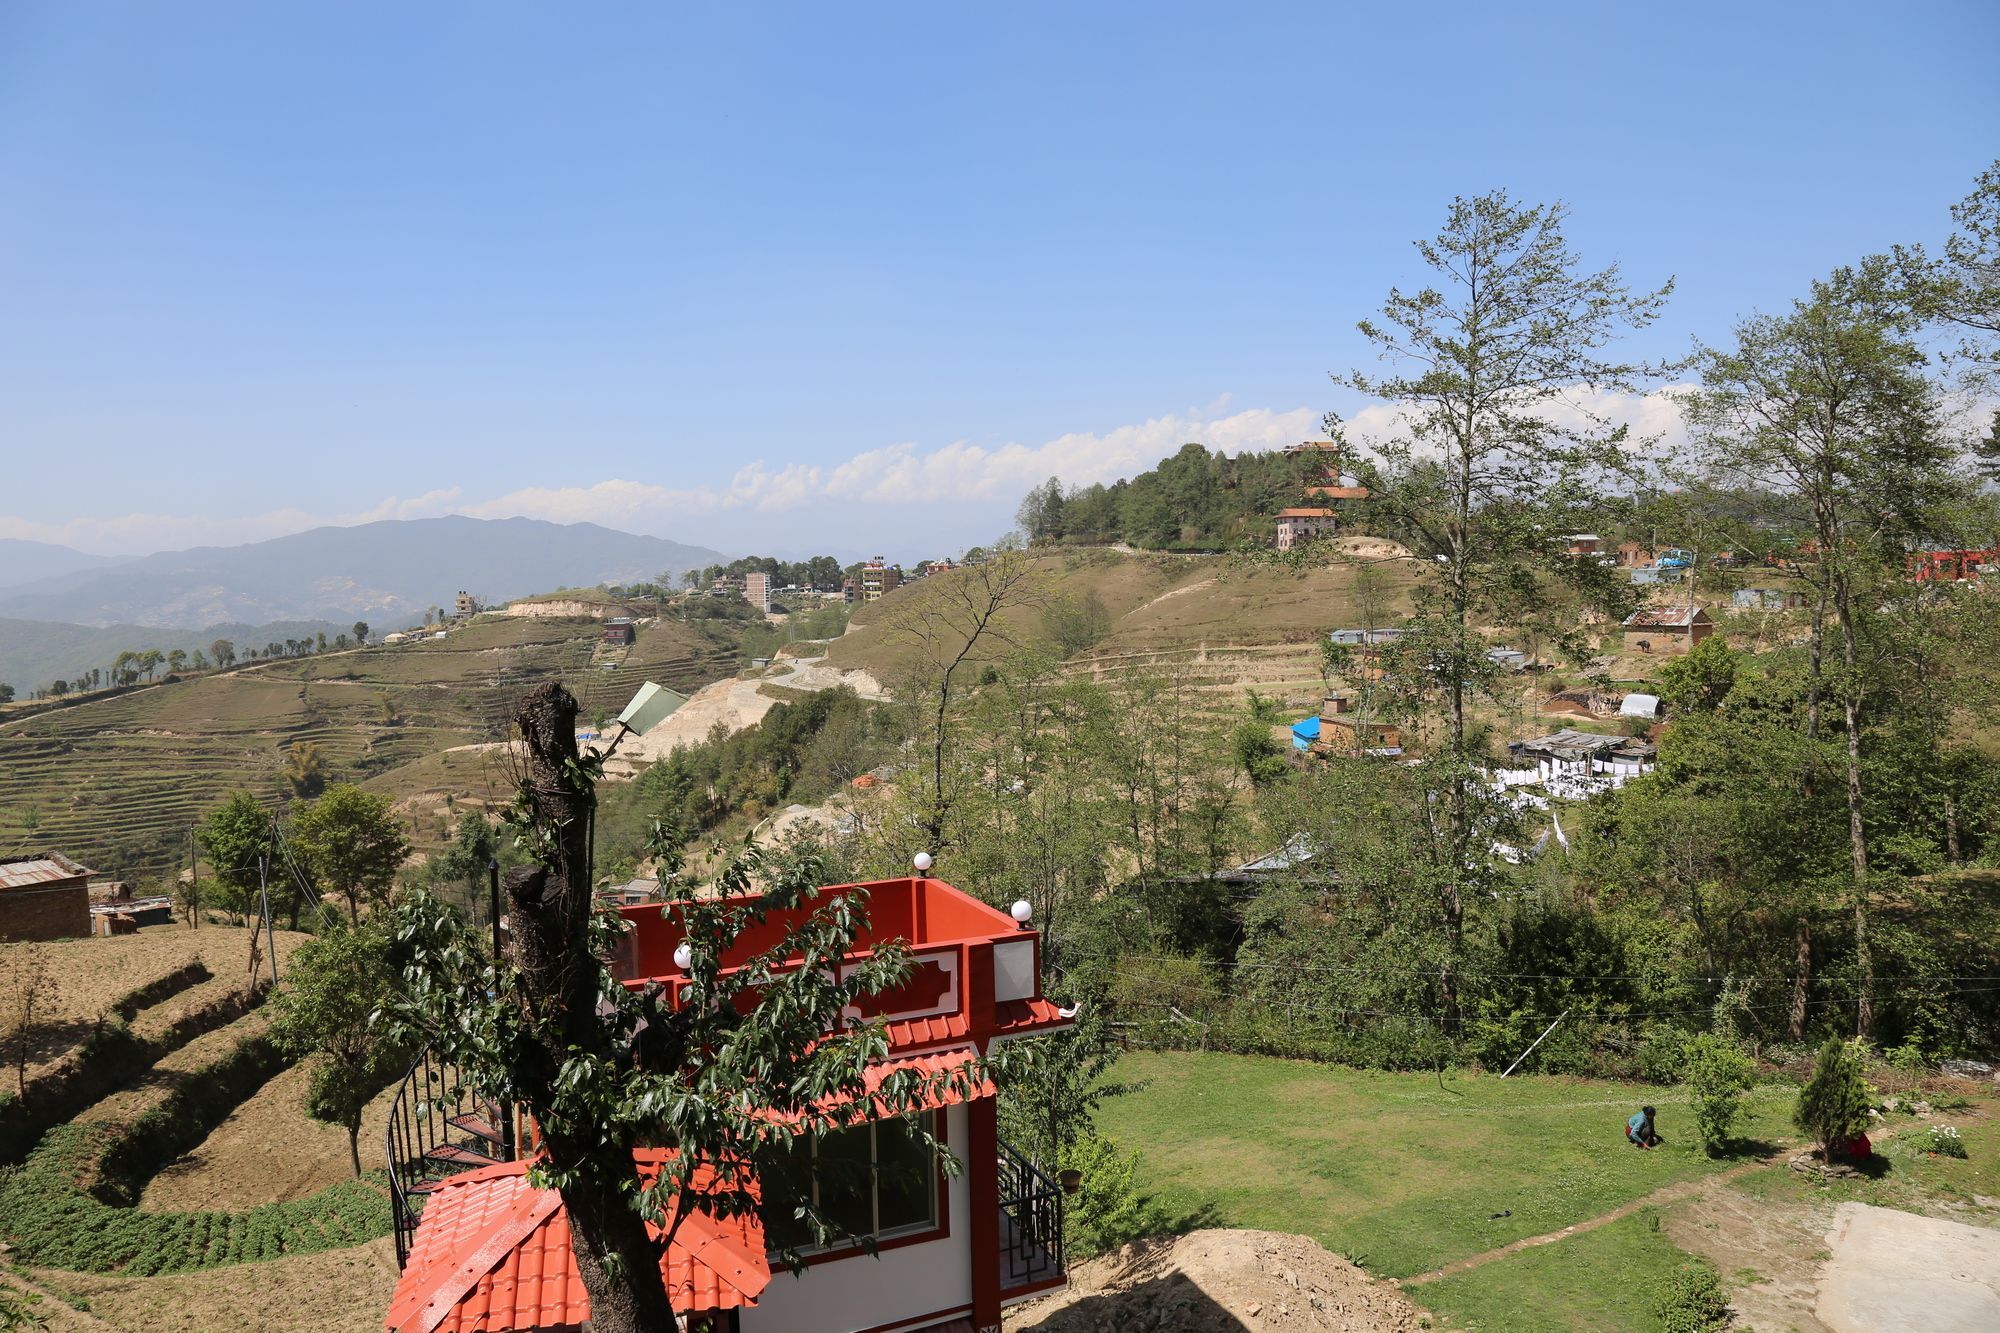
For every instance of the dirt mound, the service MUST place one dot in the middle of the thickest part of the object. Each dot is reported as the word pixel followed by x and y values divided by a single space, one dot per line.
pixel 1220 1282
pixel 1372 548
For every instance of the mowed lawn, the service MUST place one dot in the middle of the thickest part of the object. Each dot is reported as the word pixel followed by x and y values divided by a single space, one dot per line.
pixel 1391 1169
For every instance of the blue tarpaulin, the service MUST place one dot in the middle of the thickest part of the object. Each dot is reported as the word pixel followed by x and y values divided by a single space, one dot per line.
pixel 1304 732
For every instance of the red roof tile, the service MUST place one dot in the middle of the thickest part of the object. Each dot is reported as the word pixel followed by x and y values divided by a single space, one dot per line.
pixel 909 1033
pixel 1018 1017
pixel 948 1080
pixel 493 1253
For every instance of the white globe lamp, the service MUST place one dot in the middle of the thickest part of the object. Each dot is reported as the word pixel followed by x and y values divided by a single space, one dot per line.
pixel 683 956
pixel 922 861
pixel 1021 911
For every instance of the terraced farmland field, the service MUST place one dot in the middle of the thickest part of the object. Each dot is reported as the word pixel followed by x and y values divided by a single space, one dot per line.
pixel 118 783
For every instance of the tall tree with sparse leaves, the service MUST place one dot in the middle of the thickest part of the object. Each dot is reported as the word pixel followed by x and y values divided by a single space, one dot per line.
pixel 1498 361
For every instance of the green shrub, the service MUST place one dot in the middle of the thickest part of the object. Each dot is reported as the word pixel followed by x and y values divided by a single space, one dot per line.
pixel 1108 1210
pixel 1833 1105
pixel 1662 1053
pixel 1718 1074
pixel 1690 1299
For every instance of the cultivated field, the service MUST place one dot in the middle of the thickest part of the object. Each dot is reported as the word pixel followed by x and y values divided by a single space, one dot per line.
pixel 1232 622
pixel 177 1181
pixel 118 783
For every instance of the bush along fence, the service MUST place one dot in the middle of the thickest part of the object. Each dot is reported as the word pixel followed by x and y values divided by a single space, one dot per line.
pixel 70 1205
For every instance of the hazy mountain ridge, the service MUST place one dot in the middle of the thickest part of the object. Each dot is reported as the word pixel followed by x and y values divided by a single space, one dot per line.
pixel 386 573
pixel 24 562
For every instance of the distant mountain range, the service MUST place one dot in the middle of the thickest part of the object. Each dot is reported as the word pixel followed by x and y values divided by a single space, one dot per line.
pixel 386 573
pixel 27 562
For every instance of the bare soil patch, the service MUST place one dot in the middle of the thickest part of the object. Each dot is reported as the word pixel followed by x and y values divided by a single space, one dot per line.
pixel 338 1291
pixel 268 1151
pixel 1218 1282
pixel 1769 1253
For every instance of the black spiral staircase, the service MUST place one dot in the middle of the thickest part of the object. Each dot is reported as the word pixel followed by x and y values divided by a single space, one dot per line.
pixel 438 1129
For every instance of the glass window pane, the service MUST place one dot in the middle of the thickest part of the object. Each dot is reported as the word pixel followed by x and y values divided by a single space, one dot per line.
pixel 785 1176
pixel 905 1183
pixel 845 1184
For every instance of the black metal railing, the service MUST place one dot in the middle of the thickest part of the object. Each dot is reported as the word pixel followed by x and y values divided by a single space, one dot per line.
pixel 1031 1223
pixel 438 1128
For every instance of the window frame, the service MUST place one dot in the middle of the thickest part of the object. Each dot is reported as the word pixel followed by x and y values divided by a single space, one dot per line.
pixel 937 1227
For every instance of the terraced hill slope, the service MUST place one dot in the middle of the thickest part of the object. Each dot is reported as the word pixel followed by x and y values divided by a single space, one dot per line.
pixel 1229 623
pixel 117 783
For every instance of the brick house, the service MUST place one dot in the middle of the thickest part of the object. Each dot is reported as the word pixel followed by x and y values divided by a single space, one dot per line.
pixel 953 1248
pixel 1344 731
pixel 1671 629
pixel 43 897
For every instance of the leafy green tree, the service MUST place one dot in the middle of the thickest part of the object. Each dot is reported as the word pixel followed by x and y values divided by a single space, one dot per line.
pixel 1717 1074
pixel 1961 287
pixel 235 837
pixel 1833 1105
pixel 324 1012
pixel 750 1061
pixel 223 651
pixel 1260 756
pixel 1830 405
pixel 1041 513
pixel 361 631
pixel 1700 679
pixel 1492 455
pixel 353 843
pixel 177 660
pixel 475 845
pixel 6 693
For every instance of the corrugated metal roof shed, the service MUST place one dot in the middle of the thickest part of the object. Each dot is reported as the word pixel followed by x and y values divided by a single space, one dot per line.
pixel 23 872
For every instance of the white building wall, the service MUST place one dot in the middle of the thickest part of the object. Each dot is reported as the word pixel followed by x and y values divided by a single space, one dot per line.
pixel 862 1292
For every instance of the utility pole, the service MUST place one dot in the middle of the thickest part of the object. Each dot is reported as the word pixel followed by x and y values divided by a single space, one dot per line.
pixel 194 883
pixel 264 905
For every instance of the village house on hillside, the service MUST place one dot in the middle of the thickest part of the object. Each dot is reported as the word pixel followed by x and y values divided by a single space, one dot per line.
pixel 1298 526
pixel 1673 629
pixel 1342 730
pixel 492 1252
pixel 43 897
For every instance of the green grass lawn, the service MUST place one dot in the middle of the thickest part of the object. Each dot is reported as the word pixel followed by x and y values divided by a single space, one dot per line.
pixel 1392 1169
pixel 1560 1288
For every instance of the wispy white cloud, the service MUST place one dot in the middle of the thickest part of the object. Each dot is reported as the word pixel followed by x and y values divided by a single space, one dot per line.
pixel 893 479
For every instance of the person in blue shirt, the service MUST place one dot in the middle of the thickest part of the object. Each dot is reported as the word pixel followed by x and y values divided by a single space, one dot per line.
pixel 1639 1129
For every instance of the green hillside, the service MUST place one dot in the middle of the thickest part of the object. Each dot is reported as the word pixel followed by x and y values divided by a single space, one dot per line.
pixel 118 782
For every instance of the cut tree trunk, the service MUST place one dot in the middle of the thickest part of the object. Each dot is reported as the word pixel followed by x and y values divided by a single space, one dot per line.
pixel 549 909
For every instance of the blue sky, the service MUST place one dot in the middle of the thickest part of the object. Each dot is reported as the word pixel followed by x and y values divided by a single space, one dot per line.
pixel 849 277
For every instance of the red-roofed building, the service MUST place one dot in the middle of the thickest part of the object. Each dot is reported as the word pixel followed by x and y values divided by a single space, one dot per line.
pixel 953 1248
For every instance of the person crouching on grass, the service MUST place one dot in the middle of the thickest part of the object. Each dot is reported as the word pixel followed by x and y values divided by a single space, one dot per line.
pixel 1639 1129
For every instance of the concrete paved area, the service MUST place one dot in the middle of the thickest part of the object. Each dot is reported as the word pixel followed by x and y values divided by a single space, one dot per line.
pixel 1896 1272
